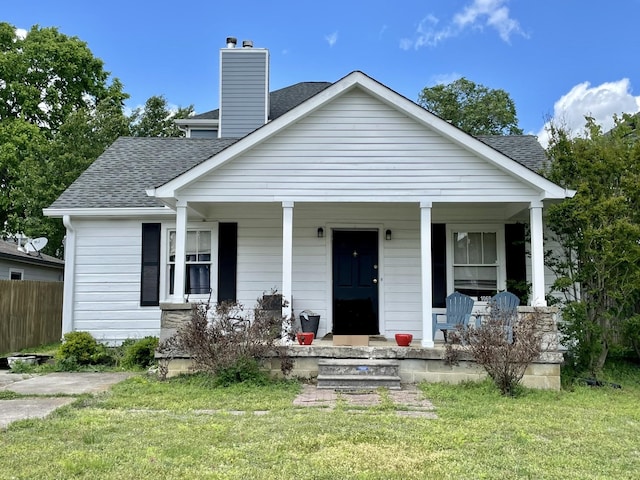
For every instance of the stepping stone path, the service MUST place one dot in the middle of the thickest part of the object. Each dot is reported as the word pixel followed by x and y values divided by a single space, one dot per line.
pixel 408 401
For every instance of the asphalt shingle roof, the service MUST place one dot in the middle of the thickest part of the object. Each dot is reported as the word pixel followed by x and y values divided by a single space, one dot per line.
pixel 120 176
pixel 524 149
pixel 280 101
pixel 9 250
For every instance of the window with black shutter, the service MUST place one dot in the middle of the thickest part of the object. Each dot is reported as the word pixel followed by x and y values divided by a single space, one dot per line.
pixel 150 271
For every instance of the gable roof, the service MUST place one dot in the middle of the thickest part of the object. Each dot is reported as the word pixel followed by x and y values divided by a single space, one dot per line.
pixel 359 80
pixel 9 251
pixel 280 101
pixel 120 177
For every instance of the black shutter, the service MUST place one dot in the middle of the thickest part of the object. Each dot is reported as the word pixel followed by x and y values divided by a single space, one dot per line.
pixel 439 264
pixel 515 251
pixel 150 271
pixel 227 261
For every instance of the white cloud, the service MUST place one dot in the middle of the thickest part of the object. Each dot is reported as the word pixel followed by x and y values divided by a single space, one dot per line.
pixel 21 33
pixel 332 38
pixel 476 15
pixel 600 102
pixel 445 78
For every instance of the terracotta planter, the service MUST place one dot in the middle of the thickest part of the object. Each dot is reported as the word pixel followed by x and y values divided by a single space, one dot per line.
pixel 305 338
pixel 404 339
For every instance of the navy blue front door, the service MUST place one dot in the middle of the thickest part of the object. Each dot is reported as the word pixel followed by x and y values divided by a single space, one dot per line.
pixel 355 282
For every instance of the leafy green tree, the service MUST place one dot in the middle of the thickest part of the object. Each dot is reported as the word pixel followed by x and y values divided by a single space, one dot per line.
pixel 46 76
pixel 57 114
pixel 474 108
pixel 156 119
pixel 598 231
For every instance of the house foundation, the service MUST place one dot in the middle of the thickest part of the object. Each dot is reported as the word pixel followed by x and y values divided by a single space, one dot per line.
pixel 416 363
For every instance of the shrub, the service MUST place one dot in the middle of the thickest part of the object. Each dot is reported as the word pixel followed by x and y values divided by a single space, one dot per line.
pixel 228 342
pixel 505 357
pixel 245 370
pixel 139 353
pixel 80 348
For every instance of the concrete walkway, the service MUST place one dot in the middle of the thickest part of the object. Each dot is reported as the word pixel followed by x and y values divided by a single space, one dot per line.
pixel 44 387
pixel 407 402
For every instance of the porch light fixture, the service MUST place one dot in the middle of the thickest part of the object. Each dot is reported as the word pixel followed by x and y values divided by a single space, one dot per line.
pixel 320 232
pixel 387 234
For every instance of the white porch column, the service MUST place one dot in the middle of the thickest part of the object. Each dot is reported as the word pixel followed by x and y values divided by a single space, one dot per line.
pixel 537 256
pixel 287 257
pixel 181 253
pixel 425 264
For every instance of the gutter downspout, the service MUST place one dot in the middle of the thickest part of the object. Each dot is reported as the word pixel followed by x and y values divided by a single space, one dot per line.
pixel 69 275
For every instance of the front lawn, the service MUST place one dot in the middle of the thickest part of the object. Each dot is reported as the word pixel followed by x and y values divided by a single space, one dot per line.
pixel 183 428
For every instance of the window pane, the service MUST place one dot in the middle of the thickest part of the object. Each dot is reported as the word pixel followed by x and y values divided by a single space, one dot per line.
pixel 172 246
pixel 192 246
pixel 475 247
pixel 460 247
pixel 476 278
pixel 198 279
pixel 204 246
pixel 490 248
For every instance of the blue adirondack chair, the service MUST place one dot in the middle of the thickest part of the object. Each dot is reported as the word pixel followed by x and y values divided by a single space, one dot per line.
pixel 458 312
pixel 504 306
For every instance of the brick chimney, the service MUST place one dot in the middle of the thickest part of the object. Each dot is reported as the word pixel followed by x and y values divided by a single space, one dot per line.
pixel 244 88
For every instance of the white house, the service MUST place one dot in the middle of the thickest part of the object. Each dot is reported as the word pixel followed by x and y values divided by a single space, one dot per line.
pixel 348 198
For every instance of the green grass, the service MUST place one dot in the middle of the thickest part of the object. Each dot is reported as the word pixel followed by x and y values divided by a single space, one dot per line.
pixel 184 428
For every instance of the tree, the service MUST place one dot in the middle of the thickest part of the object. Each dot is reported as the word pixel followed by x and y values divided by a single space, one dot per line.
pixel 598 231
pixel 57 114
pixel 156 119
pixel 47 75
pixel 473 108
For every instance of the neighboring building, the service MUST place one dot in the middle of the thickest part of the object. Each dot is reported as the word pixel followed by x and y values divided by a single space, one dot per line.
pixel 348 198
pixel 17 265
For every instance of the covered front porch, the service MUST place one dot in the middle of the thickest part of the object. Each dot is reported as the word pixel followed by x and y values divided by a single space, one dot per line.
pixel 368 268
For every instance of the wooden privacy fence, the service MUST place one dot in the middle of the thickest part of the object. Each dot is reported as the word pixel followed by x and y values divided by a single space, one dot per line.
pixel 30 314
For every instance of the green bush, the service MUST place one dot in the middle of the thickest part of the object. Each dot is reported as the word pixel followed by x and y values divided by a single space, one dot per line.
pixel 139 353
pixel 244 370
pixel 80 348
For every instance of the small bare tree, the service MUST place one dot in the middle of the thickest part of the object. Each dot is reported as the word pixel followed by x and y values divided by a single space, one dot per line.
pixel 225 336
pixel 503 345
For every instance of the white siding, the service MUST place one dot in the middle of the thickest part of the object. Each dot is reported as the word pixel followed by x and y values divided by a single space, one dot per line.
pixel 260 257
pixel 107 281
pixel 357 149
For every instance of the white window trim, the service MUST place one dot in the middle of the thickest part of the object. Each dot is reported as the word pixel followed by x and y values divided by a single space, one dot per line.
pixel 18 271
pixel 498 229
pixel 164 260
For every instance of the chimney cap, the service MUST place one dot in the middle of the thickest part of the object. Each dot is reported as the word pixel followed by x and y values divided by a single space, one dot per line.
pixel 231 42
pixel 247 44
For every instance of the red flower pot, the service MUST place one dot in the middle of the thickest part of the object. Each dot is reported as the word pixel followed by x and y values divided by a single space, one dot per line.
pixel 305 338
pixel 404 339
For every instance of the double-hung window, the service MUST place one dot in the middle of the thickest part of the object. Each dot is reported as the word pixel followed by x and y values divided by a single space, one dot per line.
pixel 477 266
pixel 198 261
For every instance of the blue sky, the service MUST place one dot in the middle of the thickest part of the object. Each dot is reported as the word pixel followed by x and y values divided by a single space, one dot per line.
pixel 556 58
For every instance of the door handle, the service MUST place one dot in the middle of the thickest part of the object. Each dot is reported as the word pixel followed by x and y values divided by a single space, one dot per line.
pixel 375 280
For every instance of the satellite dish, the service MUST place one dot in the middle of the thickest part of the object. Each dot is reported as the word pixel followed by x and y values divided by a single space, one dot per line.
pixel 36 244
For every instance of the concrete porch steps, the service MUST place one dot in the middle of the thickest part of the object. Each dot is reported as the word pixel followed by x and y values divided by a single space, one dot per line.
pixel 358 374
